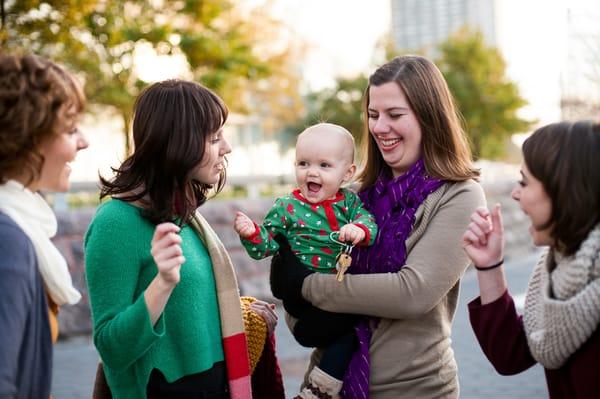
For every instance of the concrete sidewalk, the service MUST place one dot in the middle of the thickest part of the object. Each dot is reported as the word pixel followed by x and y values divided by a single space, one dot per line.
pixel 75 360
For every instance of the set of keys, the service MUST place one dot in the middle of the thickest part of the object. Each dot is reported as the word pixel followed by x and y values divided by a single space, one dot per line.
pixel 343 260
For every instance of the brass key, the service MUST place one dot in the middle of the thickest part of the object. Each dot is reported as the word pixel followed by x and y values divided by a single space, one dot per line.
pixel 343 262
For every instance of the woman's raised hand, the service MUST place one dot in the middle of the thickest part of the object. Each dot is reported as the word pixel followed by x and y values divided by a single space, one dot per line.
pixel 167 252
pixel 483 241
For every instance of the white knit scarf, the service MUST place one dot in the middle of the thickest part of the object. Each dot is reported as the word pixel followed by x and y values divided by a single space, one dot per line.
pixel 562 308
pixel 33 215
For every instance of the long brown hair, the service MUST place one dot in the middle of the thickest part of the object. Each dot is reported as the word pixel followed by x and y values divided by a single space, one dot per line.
pixel 565 158
pixel 35 95
pixel 446 152
pixel 171 124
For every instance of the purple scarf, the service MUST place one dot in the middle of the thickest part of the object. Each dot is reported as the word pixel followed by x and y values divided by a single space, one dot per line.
pixel 394 203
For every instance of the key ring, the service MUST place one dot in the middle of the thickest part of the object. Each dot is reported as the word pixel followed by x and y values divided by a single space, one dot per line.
pixel 334 240
pixel 345 246
pixel 343 260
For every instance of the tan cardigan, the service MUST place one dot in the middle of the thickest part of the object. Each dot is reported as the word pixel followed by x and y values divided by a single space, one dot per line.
pixel 410 350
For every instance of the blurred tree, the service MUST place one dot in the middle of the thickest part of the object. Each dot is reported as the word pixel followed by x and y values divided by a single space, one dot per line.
pixel 487 99
pixel 274 97
pixel 340 104
pixel 476 75
pixel 100 39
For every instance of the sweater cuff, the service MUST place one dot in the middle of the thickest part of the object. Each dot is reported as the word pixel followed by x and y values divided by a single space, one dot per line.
pixel 149 331
pixel 476 308
pixel 367 239
pixel 254 237
pixel 305 290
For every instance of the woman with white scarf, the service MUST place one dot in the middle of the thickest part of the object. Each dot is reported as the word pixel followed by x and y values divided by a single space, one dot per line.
pixel 40 105
pixel 560 194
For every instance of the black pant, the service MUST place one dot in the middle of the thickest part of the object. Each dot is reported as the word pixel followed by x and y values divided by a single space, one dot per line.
pixel 336 356
pixel 209 384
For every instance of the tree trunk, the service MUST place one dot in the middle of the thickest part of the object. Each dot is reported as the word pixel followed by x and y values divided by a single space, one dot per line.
pixel 3 15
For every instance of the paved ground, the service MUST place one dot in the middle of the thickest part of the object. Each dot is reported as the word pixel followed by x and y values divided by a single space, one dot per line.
pixel 478 379
pixel 76 359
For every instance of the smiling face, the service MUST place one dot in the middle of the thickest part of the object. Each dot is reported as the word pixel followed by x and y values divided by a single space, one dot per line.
pixel 59 150
pixel 536 204
pixel 394 127
pixel 324 161
pixel 213 160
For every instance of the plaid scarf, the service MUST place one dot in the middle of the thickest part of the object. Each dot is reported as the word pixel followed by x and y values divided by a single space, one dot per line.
pixel 235 346
pixel 394 203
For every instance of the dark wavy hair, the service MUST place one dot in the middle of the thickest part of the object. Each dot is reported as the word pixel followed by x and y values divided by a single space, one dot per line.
pixel 565 158
pixel 446 151
pixel 171 124
pixel 35 96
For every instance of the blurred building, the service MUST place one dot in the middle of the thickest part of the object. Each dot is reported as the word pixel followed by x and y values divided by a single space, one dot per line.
pixel 581 81
pixel 255 160
pixel 422 24
pixel 548 58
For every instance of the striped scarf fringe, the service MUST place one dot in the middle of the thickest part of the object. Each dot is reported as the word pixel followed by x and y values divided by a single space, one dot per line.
pixel 235 346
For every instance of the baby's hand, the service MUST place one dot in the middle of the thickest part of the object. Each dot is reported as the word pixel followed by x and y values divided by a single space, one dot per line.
pixel 243 225
pixel 351 233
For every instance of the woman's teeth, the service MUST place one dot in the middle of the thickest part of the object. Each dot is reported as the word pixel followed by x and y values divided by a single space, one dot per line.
pixel 390 142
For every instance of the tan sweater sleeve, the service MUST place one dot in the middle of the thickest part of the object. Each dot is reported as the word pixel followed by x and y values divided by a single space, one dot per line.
pixel 433 266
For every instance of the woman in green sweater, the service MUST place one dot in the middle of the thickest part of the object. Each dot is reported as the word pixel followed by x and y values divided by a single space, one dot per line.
pixel 165 303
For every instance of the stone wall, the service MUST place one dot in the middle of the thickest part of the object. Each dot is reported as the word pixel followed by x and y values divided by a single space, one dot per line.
pixel 252 275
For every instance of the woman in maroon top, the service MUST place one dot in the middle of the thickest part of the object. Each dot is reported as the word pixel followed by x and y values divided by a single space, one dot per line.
pixel 560 194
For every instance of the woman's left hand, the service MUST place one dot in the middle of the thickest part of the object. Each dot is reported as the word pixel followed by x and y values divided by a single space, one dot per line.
pixel 483 241
pixel 267 312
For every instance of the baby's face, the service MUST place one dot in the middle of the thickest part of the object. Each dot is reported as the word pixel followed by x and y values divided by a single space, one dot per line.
pixel 323 164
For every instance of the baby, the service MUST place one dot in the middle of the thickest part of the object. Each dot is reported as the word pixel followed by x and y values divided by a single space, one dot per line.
pixel 307 217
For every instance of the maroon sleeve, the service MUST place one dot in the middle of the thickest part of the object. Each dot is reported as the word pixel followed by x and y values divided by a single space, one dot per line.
pixel 501 335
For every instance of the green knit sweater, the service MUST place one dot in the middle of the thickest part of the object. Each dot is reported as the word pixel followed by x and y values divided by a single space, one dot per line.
pixel 185 340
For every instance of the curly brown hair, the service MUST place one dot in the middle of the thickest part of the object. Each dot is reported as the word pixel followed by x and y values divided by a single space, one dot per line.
pixel 36 96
